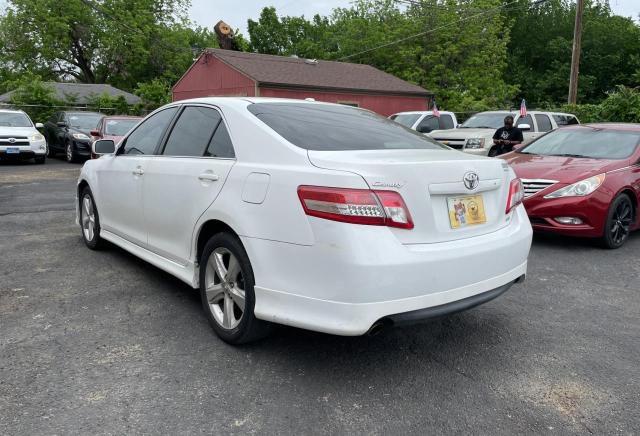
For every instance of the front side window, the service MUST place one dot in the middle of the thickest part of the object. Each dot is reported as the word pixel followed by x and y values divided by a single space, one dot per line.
pixel 585 142
pixel 192 132
pixel 332 127
pixel 146 137
pixel 428 124
pixel 14 119
pixel 446 122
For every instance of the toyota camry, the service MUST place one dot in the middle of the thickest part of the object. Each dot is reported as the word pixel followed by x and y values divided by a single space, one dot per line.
pixel 314 215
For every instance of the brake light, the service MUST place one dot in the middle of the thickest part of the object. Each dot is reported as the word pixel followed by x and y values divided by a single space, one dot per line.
pixel 516 194
pixel 356 206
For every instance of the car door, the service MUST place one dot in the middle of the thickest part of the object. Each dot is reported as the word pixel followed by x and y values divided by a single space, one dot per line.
pixel 51 129
pixel 121 177
pixel 185 179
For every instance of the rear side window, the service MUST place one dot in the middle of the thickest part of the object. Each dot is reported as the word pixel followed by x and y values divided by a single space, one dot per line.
pixel 332 128
pixel 220 145
pixel 146 137
pixel 192 132
pixel 544 123
pixel 565 120
pixel 446 122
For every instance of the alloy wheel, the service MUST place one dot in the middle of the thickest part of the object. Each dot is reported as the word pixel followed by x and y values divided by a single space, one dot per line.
pixel 88 218
pixel 69 153
pixel 621 222
pixel 225 292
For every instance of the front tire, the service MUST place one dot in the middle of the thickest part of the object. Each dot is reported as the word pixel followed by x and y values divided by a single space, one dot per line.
pixel 70 153
pixel 493 152
pixel 227 291
pixel 618 224
pixel 39 160
pixel 90 220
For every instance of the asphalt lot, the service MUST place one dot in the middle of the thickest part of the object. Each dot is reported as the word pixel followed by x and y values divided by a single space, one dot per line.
pixel 101 342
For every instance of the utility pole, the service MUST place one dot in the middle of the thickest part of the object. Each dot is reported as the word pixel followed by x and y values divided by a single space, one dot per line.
pixel 575 54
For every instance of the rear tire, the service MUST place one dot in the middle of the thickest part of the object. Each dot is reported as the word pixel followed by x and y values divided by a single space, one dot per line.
pixel 227 291
pixel 90 221
pixel 619 221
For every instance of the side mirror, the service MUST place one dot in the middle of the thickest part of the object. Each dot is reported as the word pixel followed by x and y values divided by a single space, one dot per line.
pixel 103 146
pixel 95 133
pixel 39 126
pixel 61 124
pixel 524 126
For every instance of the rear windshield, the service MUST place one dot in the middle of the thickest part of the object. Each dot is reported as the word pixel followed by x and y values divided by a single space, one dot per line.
pixel 330 128
pixel 586 142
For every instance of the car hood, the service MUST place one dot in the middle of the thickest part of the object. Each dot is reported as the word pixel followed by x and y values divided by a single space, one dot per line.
pixel 562 169
pixel 78 130
pixel 462 133
pixel 17 131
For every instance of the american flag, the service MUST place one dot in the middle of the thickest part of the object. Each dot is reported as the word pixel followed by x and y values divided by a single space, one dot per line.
pixel 436 112
pixel 523 109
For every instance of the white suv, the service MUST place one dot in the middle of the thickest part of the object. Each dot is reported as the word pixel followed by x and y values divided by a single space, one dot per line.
pixel 475 135
pixel 315 215
pixel 19 137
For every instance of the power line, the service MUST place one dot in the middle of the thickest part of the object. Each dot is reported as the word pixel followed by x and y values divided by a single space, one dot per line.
pixel 407 38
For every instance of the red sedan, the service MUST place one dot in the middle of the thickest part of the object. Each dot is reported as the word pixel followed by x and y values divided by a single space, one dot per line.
pixel 113 127
pixel 583 181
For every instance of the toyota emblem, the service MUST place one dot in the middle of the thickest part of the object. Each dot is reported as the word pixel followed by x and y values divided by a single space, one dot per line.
pixel 471 180
pixel 12 140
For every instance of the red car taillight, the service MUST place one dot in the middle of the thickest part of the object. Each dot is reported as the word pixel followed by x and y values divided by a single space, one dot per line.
pixel 356 206
pixel 516 194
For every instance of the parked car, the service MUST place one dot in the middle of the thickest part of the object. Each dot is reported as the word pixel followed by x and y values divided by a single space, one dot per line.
pixel 583 181
pixel 114 128
pixel 426 121
pixel 70 132
pixel 475 135
pixel 19 137
pixel 315 215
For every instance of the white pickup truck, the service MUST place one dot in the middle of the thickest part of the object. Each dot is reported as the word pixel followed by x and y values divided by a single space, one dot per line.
pixel 476 134
pixel 426 121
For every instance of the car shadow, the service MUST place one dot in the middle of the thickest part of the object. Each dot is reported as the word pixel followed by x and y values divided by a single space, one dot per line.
pixel 554 240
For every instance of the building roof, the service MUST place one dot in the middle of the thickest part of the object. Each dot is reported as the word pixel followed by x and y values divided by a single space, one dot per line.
pixel 298 72
pixel 81 93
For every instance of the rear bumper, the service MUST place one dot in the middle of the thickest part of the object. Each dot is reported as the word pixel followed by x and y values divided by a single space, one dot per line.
pixel 348 282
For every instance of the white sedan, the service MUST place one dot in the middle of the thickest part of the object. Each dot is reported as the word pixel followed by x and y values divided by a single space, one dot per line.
pixel 314 215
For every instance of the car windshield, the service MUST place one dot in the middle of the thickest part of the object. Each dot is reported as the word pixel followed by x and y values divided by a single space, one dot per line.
pixel 332 127
pixel 586 142
pixel 119 127
pixel 14 119
pixel 84 121
pixel 406 119
pixel 485 120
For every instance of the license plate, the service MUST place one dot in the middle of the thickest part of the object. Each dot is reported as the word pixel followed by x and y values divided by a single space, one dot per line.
pixel 13 150
pixel 466 211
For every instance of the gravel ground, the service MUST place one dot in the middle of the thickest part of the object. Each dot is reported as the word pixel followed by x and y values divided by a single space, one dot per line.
pixel 101 342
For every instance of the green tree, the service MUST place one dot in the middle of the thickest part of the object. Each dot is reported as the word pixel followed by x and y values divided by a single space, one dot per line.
pixel 33 96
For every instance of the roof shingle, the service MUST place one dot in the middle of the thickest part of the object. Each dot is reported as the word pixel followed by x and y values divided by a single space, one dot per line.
pixel 81 93
pixel 298 72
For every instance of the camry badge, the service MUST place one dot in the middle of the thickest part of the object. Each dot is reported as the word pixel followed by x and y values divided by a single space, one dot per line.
pixel 471 180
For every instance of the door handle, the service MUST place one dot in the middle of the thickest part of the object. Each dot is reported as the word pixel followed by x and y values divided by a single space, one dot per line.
pixel 208 176
pixel 138 172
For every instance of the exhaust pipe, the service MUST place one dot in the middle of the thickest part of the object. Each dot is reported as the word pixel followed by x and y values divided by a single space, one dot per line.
pixel 378 326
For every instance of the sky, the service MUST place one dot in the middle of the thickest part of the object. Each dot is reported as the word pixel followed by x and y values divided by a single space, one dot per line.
pixel 236 12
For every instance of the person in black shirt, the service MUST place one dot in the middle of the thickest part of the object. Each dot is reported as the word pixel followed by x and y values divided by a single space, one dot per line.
pixel 506 137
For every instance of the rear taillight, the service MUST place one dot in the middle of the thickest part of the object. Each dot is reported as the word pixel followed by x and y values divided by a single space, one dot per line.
pixel 516 194
pixel 356 206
